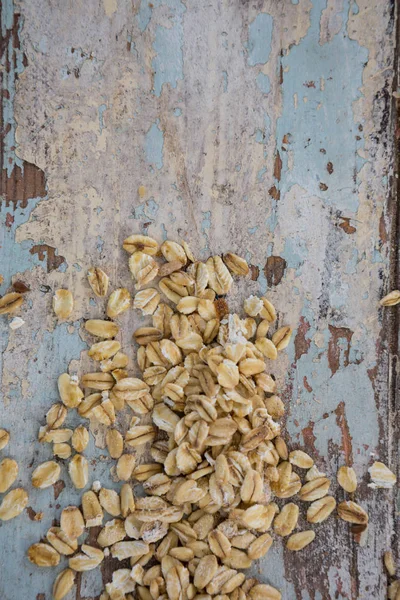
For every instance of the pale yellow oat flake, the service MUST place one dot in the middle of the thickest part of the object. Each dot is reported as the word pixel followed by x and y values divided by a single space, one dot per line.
pixel 63 303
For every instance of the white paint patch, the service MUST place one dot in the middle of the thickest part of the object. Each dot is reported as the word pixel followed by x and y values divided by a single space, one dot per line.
pixel 110 7
pixel 16 323
pixel 319 339
pixel 96 486
pixel 331 21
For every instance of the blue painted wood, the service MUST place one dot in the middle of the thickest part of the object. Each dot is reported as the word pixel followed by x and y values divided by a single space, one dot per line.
pixel 265 129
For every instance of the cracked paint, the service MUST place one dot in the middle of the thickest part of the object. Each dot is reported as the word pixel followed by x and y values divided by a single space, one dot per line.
pixel 259 130
pixel 154 145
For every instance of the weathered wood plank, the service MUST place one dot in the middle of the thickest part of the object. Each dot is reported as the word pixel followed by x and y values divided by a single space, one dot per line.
pixel 267 128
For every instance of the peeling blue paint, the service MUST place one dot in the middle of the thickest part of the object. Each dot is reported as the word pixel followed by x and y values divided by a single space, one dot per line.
pixel 62 346
pixel 352 382
pixel 263 83
pixel 356 354
pixel 154 144
pixel 338 292
pixel 164 233
pixel 329 390
pixel 99 244
pixel 272 221
pixel 102 108
pixel 168 61
pixel 377 257
pixel 260 38
pixel 7 16
pixel 146 210
pixel 64 72
pixel 295 253
pixel 63 267
pixel 259 136
pixel 24 414
pixel 261 173
pixel 262 281
pixel 13 253
pixel 247 256
pixel 10 76
pixel 144 14
pixel 225 81
pixel 329 134
pixel 267 127
pixel 262 136
pixel 351 266
pixel 205 228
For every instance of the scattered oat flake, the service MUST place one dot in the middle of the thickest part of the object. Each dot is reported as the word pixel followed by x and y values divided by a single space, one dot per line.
pixel 391 299
pixel 204 438
pixel 381 476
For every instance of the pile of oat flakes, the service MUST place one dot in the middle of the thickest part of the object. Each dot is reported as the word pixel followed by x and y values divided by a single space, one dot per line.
pixel 207 411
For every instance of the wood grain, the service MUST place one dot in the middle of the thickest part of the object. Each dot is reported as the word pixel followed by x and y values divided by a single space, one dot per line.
pixel 267 128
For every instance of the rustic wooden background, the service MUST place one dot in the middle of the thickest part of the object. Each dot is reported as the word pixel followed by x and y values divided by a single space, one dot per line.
pixel 265 127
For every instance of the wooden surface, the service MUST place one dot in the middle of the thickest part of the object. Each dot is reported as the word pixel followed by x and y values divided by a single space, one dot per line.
pixel 267 128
